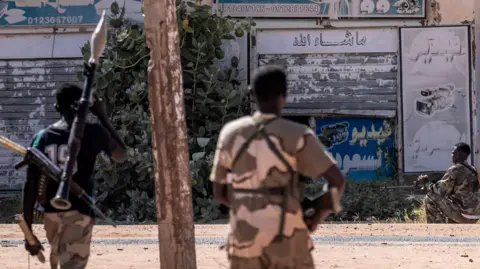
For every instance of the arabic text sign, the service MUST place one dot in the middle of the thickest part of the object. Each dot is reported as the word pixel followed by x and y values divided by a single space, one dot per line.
pixel 323 8
pixel 362 147
pixel 327 41
pixel 48 13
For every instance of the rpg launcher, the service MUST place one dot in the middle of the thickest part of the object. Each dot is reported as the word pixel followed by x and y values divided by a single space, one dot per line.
pixel 98 42
pixel 51 171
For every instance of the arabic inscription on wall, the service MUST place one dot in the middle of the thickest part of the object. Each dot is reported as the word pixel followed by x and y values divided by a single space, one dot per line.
pixel 349 40
pixel 363 148
pixel 381 40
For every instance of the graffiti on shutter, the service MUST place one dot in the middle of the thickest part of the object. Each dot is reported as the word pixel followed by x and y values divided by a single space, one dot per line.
pixel 344 84
pixel 27 90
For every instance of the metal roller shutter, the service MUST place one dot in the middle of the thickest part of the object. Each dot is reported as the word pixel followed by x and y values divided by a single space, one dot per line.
pixel 345 84
pixel 27 89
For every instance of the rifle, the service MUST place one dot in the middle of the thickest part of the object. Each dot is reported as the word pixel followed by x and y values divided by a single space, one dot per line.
pixel 98 42
pixel 419 183
pixel 52 171
pixel 319 207
pixel 32 240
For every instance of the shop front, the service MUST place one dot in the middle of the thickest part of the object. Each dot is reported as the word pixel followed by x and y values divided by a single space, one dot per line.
pixel 344 84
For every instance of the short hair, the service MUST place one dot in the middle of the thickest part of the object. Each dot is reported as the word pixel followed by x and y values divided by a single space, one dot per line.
pixel 269 82
pixel 67 96
pixel 463 147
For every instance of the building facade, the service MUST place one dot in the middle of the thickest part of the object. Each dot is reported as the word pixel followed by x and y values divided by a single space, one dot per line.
pixel 375 78
pixel 41 49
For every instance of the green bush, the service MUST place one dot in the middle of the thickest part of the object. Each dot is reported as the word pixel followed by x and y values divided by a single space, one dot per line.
pixel 373 200
pixel 212 97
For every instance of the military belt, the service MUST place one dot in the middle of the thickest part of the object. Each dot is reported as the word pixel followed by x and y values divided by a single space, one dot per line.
pixel 272 191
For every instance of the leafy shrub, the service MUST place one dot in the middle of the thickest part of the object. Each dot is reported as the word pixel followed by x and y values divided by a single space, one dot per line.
pixel 212 97
pixel 373 200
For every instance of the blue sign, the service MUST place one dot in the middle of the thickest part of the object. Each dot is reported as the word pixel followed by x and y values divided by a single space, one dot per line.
pixel 48 12
pixel 363 148
pixel 323 8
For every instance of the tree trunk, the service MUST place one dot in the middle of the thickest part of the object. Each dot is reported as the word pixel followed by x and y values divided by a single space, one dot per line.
pixel 169 137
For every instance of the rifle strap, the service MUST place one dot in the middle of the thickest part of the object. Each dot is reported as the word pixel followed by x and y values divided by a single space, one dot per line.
pixel 260 129
pixel 471 169
pixel 251 138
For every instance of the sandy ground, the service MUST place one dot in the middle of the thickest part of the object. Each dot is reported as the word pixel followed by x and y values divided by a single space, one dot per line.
pixel 366 253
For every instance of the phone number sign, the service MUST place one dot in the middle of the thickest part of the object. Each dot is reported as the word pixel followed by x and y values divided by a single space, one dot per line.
pixel 48 13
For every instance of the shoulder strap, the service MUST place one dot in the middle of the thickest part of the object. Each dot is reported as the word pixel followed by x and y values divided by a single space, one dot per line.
pixel 272 147
pixel 469 168
pixel 258 125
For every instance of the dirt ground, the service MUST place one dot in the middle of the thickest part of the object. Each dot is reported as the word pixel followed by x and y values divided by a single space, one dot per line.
pixel 376 254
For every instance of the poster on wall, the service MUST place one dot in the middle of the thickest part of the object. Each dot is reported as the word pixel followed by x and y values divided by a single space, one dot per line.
pixel 363 148
pixel 435 95
pixel 58 12
pixel 235 56
pixel 322 8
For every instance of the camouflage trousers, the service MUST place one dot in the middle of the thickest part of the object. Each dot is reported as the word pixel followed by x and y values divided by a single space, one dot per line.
pixel 69 235
pixel 442 210
pixel 290 253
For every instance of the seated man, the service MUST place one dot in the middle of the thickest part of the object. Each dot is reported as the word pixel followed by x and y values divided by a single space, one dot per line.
pixel 456 195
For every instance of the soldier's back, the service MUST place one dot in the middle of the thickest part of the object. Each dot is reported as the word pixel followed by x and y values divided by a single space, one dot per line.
pixel 255 217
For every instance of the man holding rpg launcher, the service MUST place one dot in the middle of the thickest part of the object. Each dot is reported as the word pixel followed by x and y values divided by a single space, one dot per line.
pixel 69 232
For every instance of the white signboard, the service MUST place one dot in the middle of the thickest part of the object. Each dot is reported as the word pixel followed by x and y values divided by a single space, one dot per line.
pixel 435 65
pixel 327 41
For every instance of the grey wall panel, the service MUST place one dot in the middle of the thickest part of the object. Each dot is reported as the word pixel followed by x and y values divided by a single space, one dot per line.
pixel 27 90
pixel 345 84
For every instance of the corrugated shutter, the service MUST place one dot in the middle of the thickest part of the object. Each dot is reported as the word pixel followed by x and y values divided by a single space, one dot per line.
pixel 27 91
pixel 344 84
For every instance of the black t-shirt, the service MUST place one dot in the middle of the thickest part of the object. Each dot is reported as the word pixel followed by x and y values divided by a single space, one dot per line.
pixel 53 142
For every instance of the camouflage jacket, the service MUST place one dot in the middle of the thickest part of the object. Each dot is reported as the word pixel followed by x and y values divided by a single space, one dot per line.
pixel 254 218
pixel 460 185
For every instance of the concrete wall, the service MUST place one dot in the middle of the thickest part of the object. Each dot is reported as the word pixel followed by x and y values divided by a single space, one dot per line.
pixel 454 11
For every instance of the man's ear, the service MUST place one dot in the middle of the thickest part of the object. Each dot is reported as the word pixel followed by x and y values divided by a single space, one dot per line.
pixel 57 108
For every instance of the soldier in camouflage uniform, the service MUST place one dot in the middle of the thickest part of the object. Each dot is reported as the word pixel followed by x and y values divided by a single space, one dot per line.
pixel 69 232
pixel 456 193
pixel 248 176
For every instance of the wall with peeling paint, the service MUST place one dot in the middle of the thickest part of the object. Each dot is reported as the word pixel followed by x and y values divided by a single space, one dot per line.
pixel 32 67
pixel 439 12
pixel 455 11
pixel 335 71
pixel 349 84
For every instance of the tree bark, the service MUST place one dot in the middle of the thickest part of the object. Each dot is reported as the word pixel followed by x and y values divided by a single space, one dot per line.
pixel 169 137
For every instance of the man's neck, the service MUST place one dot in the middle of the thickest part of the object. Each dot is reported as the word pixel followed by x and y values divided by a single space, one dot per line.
pixel 63 123
pixel 275 112
pixel 265 114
